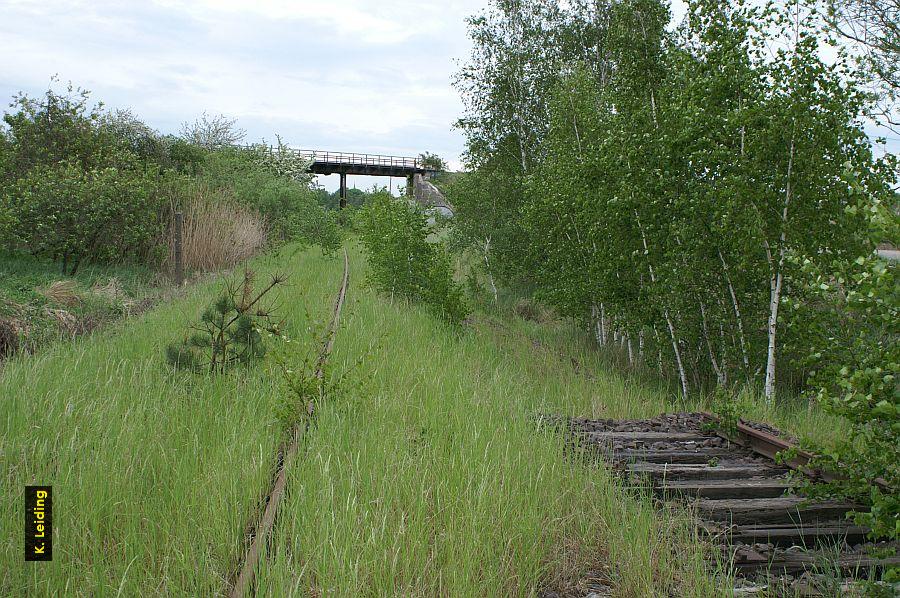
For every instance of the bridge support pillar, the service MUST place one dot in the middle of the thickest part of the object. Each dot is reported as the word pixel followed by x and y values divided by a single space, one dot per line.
pixel 343 190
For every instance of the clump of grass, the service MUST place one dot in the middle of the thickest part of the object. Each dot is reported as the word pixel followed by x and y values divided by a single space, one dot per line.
pixel 218 231
pixel 61 292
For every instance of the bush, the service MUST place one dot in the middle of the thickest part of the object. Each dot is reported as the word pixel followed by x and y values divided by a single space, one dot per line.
pixel 276 184
pixel 850 316
pixel 8 222
pixel 185 157
pixel 72 215
pixel 403 261
pixel 56 128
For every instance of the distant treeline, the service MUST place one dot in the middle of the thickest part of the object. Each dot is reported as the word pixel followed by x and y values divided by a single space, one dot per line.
pixel 82 184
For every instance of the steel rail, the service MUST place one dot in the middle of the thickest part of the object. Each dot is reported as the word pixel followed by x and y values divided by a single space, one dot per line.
pixel 262 531
pixel 770 445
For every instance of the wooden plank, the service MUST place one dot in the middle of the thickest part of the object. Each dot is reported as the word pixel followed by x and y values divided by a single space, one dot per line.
pixel 794 535
pixel 698 455
pixel 771 510
pixel 645 436
pixel 729 488
pixel 704 471
pixel 795 562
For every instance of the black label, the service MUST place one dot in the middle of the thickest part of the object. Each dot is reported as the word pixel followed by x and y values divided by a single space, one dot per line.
pixel 38 523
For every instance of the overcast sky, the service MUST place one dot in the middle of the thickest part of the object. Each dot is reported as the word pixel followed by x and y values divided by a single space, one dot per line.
pixel 348 75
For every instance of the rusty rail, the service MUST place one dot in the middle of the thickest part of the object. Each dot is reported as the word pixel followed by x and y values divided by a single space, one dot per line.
pixel 769 445
pixel 263 529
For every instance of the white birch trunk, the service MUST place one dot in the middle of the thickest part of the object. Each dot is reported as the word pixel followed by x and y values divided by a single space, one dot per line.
pixel 603 323
pixel 720 378
pixel 776 279
pixel 737 314
pixel 487 265
pixel 597 324
pixel 674 339
pixel 774 299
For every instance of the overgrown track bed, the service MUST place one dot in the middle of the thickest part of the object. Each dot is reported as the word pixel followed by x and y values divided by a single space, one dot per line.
pixel 739 493
pixel 259 532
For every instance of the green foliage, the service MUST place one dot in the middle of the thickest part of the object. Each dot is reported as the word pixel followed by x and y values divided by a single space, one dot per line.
pixel 185 157
pixel 72 215
pixel 56 128
pixel 403 261
pixel 213 132
pixel 654 184
pixel 275 183
pixel 230 331
pixel 433 161
pixel 850 318
pixel 8 223
pixel 80 184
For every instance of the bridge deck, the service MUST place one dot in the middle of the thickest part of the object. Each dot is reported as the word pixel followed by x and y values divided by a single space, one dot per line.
pixel 325 162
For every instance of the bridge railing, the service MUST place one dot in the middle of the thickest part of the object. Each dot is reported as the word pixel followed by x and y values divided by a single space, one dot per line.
pixel 361 159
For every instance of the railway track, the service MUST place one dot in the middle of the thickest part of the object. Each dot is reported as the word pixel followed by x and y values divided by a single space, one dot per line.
pixel 260 530
pixel 739 493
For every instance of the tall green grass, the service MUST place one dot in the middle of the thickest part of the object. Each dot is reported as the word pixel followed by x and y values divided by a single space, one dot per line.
pixel 155 473
pixel 562 344
pixel 426 476
pixel 431 478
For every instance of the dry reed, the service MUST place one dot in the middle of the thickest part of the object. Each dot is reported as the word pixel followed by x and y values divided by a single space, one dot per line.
pixel 218 231
pixel 62 292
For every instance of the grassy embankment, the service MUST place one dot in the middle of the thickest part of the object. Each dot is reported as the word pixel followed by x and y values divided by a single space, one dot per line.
pixel 428 477
pixel 155 473
pixel 39 305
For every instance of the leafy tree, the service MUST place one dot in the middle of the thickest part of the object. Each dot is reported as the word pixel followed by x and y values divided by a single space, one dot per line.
pixel 72 215
pixel 135 136
pixel 213 132
pixel 872 27
pixel 672 179
pixel 55 128
pixel 849 320
pixel 402 260
pixel 433 161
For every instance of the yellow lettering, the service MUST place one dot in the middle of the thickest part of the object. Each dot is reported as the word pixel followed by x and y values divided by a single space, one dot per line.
pixel 40 550
pixel 42 494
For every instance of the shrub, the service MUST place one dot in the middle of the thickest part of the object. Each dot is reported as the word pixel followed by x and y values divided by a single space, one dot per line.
pixel 403 261
pixel 8 222
pixel 56 128
pixel 230 330
pixel 275 183
pixel 850 316
pixel 213 132
pixel 72 215
pixel 135 136
pixel 185 157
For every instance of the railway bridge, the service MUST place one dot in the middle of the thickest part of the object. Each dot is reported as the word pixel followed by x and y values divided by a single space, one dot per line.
pixel 343 163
